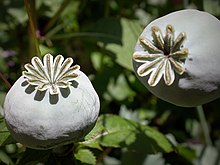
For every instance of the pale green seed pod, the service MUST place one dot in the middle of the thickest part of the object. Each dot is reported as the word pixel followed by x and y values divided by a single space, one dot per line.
pixel 177 58
pixel 51 104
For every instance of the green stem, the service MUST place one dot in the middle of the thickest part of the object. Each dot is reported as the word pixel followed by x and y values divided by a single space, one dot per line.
pixel 106 12
pixel 7 83
pixel 56 16
pixel 204 125
pixel 30 9
pixel 85 34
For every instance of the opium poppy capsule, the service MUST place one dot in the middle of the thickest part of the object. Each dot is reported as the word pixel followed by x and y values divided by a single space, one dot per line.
pixel 177 58
pixel 51 104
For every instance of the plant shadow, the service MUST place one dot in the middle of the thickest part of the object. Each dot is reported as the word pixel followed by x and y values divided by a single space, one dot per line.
pixel 53 99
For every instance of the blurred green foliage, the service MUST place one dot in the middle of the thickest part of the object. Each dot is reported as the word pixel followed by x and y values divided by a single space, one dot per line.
pixel 134 126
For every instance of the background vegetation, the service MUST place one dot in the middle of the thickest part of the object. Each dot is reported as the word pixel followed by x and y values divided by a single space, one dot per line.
pixel 134 126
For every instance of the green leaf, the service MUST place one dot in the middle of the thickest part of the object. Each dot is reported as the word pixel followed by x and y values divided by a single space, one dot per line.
pixel 94 134
pixel 131 30
pixel 99 60
pixel 99 32
pixel 5 136
pixel 212 7
pixel 139 140
pixel 186 152
pixel 18 14
pixel 44 50
pixel 5 158
pixel 119 40
pixel 119 132
pixel 85 156
pixel 91 144
pixel 2 98
pixel 119 89
pixel 103 33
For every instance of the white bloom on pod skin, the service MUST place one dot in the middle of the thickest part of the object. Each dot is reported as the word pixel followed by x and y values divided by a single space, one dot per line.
pixel 51 104
pixel 177 58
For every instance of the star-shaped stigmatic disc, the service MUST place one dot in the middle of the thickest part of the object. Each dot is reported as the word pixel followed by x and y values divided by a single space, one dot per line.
pixel 162 57
pixel 51 74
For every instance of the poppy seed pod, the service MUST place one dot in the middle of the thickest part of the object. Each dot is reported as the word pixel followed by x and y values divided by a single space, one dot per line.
pixel 51 104
pixel 177 58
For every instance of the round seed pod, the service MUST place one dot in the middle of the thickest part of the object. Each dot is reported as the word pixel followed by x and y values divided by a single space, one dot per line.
pixel 177 58
pixel 51 104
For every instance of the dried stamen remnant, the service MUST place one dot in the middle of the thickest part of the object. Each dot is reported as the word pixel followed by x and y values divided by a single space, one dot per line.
pixel 51 74
pixel 162 57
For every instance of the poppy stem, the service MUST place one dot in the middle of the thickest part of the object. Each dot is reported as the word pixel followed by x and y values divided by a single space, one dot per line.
pixel 30 9
pixel 204 125
pixel 7 83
